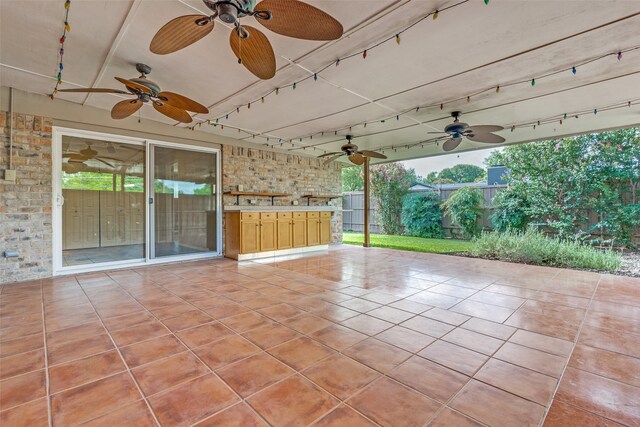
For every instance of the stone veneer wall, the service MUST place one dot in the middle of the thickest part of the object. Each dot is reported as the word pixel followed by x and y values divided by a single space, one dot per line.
pixel 271 172
pixel 25 205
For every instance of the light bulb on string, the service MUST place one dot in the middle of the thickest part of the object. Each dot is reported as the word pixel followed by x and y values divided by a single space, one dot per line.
pixel 533 82
pixel 435 15
pixel 398 38
pixel 574 70
pixel 619 55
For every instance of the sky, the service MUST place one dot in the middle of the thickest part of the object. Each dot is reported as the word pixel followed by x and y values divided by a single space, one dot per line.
pixel 437 163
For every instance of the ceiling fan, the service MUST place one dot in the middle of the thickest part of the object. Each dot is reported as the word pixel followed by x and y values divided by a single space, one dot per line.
pixel 457 130
pixel 86 154
pixel 355 156
pixel 170 104
pixel 292 18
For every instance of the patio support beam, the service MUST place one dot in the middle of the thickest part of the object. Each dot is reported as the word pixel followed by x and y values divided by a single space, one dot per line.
pixel 366 243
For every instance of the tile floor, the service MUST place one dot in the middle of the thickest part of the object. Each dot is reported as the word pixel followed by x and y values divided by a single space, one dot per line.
pixel 351 337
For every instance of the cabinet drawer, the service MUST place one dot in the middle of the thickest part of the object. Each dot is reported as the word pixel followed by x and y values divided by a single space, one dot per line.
pixel 268 215
pixel 299 214
pixel 285 215
pixel 325 214
pixel 250 215
pixel 313 214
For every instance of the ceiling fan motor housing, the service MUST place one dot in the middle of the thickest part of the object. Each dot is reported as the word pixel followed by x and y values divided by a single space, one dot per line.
pixel 230 10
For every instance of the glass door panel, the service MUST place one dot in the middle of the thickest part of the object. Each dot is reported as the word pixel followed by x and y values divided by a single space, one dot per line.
pixel 103 214
pixel 185 219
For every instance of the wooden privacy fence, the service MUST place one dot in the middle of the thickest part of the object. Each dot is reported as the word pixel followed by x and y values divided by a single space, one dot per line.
pixel 353 205
pixel 353 215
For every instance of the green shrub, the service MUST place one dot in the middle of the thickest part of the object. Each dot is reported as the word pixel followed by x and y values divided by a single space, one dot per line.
pixel 509 211
pixel 421 215
pixel 533 247
pixel 465 209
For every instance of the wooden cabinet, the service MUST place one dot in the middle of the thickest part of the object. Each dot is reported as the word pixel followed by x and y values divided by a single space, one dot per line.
pixel 255 232
pixel 325 228
pixel 285 230
pixel 299 230
pixel 249 236
pixel 313 228
pixel 268 231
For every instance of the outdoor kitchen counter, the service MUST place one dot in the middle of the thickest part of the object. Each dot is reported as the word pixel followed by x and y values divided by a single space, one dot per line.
pixel 235 208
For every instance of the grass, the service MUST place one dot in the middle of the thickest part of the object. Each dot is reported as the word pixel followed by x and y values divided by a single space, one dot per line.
pixel 417 244
pixel 532 247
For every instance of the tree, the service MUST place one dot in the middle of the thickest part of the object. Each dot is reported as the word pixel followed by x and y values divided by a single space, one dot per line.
pixel 495 158
pixel 352 178
pixel 389 184
pixel 462 173
pixel 560 183
pixel 459 174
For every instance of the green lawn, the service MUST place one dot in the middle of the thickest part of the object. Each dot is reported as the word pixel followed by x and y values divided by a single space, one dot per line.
pixel 417 244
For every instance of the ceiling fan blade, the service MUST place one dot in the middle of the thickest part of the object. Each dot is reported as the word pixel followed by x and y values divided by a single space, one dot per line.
pixel 74 156
pixel 356 159
pixel 94 90
pixel 488 138
pixel 133 85
pixel 254 52
pixel 483 129
pixel 451 144
pixel 182 102
pixel 331 159
pixel 372 154
pixel 102 161
pixel 180 33
pixel 437 133
pixel 300 20
pixel 124 109
pixel 173 112
pixel 330 154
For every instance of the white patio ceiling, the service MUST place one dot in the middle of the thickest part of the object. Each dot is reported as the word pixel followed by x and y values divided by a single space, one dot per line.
pixel 468 51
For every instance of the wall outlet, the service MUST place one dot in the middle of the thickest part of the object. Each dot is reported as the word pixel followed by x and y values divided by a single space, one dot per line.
pixel 240 187
pixel 10 175
pixel 252 201
pixel 295 203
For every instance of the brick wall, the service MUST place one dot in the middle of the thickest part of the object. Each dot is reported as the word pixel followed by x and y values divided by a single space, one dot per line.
pixel 267 171
pixel 25 205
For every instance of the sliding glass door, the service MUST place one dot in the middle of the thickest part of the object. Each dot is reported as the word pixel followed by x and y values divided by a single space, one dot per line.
pixel 127 201
pixel 184 202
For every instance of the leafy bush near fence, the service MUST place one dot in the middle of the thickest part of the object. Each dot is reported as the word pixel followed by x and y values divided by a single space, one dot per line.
pixel 465 208
pixel 563 183
pixel 509 211
pixel 533 247
pixel 421 215
pixel 389 184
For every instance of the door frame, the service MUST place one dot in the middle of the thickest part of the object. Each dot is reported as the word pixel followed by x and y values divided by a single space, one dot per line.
pixel 149 170
pixel 57 201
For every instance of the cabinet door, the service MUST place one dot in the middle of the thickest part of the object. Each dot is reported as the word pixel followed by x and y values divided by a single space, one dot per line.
pixel 325 231
pixel 313 231
pixel 299 232
pixel 268 235
pixel 249 237
pixel 285 231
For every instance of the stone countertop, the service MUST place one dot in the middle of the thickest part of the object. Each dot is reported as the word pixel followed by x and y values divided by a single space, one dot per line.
pixel 252 208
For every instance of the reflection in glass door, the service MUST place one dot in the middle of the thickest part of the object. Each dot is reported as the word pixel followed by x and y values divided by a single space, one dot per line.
pixel 103 214
pixel 184 202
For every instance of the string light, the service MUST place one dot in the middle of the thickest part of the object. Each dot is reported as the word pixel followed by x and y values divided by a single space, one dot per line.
pixel 497 89
pixel 574 70
pixel 62 40
pixel 619 55
pixel 533 82
pixel 435 15
pixel 364 54
pixel 398 38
